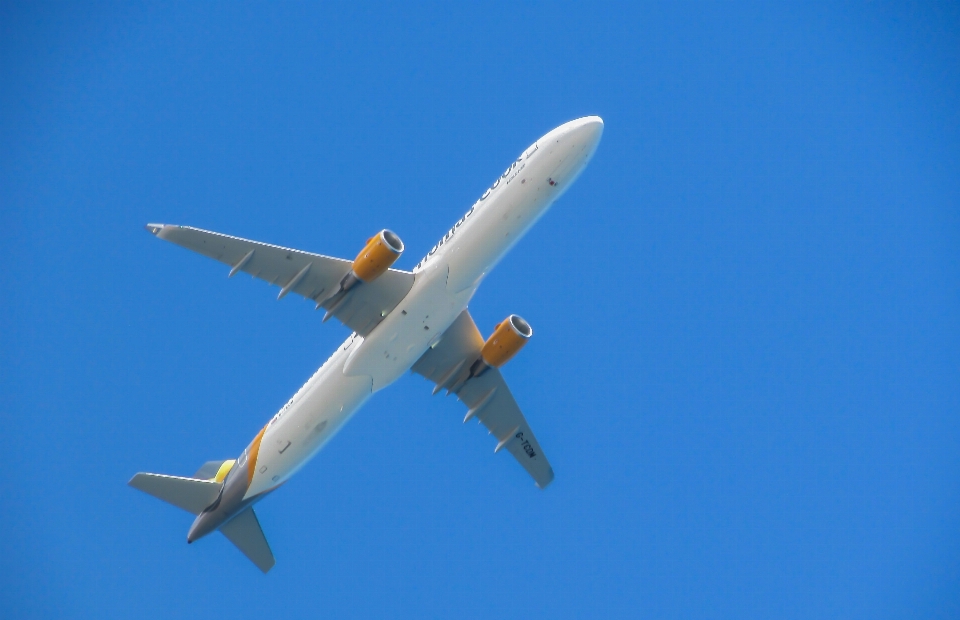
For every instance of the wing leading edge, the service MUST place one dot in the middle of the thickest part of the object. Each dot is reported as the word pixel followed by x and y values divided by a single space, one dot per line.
pixel 487 397
pixel 312 276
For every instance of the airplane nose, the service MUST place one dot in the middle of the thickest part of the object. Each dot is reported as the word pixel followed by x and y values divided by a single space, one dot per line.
pixel 590 129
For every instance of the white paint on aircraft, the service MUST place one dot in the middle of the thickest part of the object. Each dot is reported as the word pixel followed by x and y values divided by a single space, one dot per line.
pixel 402 321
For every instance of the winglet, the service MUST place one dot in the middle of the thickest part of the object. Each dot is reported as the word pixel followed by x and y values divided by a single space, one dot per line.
pixel 154 228
pixel 543 483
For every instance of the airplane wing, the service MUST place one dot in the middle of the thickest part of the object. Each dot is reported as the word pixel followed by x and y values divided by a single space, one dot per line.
pixel 488 398
pixel 313 276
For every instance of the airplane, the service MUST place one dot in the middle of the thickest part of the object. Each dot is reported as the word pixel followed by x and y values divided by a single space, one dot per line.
pixel 401 321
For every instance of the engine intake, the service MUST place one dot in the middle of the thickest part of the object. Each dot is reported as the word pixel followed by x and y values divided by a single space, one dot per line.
pixel 506 341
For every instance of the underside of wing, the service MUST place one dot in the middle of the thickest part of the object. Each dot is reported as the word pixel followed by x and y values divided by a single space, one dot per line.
pixel 313 276
pixel 486 396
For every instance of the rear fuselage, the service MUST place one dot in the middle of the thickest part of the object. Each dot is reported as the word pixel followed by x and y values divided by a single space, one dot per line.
pixel 445 281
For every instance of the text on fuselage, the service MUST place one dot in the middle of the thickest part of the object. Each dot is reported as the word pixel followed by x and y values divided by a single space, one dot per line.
pixel 508 175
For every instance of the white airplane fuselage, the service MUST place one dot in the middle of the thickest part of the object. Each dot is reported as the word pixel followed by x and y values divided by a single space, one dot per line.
pixel 445 281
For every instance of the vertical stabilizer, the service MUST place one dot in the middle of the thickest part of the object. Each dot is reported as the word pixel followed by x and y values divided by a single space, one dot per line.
pixel 215 470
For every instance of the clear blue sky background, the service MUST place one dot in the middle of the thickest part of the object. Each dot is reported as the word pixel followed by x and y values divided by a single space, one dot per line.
pixel 747 351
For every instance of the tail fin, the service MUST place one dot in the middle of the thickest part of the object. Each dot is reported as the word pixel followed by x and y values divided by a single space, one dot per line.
pixel 215 470
pixel 245 532
pixel 189 494
pixel 208 471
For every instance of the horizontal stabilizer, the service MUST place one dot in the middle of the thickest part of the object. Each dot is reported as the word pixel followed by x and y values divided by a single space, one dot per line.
pixel 189 494
pixel 245 532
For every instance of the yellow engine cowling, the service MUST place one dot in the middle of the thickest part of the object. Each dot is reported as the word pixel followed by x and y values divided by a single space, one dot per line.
pixel 507 339
pixel 381 251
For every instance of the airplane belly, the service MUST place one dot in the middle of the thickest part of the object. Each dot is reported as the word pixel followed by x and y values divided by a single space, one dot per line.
pixel 407 332
pixel 492 236
pixel 293 438
pixel 523 197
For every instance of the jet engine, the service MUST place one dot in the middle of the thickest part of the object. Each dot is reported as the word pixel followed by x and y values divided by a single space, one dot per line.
pixel 506 341
pixel 381 251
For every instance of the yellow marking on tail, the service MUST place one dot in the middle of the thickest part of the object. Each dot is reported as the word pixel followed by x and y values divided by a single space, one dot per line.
pixel 225 468
pixel 254 452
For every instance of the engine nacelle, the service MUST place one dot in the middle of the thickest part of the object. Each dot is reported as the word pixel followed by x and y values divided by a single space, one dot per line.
pixel 506 341
pixel 381 251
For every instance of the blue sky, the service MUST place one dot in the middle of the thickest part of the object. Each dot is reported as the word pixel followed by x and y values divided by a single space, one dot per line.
pixel 747 351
